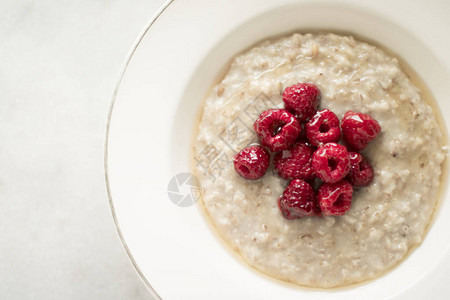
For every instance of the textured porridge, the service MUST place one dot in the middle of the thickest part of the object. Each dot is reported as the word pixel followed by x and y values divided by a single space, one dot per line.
pixel 387 218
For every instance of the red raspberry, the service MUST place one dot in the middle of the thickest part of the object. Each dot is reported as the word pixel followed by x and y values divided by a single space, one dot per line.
pixel 359 129
pixel 277 128
pixel 335 198
pixel 303 98
pixel 252 162
pixel 298 200
pixel 323 128
pixel 295 162
pixel 361 172
pixel 331 162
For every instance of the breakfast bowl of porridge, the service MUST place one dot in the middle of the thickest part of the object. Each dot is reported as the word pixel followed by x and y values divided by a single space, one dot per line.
pixel 288 149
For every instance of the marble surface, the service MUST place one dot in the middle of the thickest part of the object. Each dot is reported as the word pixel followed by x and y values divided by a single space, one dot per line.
pixel 59 64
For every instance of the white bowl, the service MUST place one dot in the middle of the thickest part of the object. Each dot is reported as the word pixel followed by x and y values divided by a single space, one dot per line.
pixel 176 60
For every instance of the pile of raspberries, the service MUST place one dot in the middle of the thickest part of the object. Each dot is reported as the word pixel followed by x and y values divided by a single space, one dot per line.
pixel 305 148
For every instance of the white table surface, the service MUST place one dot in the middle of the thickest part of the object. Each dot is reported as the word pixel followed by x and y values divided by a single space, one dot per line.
pixel 59 64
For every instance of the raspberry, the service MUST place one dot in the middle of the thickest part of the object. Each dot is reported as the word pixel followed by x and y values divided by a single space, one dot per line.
pixel 298 200
pixel 323 128
pixel 303 98
pixel 277 128
pixel 252 162
pixel 335 198
pixel 361 172
pixel 295 162
pixel 331 162
pixel 359 129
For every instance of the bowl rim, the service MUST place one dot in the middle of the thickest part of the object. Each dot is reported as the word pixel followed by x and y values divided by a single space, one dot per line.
pixel 125 64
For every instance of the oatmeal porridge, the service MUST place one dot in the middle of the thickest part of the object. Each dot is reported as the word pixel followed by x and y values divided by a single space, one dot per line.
pixel 387 218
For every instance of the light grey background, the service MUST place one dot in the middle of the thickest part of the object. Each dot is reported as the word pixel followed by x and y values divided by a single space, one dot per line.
pixel 59 63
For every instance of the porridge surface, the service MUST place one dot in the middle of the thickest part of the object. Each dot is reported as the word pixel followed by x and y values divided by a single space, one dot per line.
pixel 387 218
